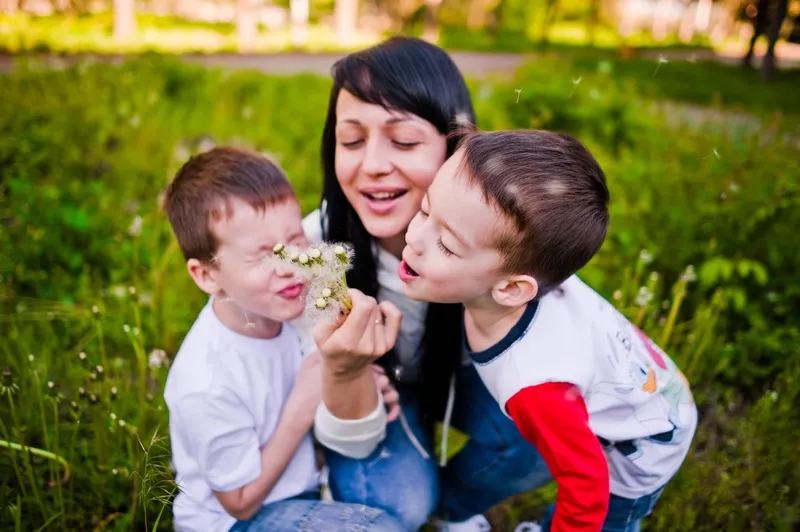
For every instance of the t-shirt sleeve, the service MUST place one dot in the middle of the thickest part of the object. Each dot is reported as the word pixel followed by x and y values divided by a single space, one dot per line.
pixel 553 417
pixel 312 226
pixel 221 435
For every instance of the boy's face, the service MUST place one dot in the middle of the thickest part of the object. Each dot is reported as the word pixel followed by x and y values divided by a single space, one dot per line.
pixel 450 256
pixel 245 273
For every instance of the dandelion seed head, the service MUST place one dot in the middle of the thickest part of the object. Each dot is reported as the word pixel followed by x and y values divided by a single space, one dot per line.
pixel 95 310
pixel 82 355
pixel 113 390
pixel 51 384
pixel 118 291
pixel 114 471
pixel 122 423
pixel 645 257
pixel 315 253
pixel 132 290
pixel 326 292
pixel 113 416
pixel 321 303
pixel 303 258
pixel 654 276
pixel 99 369
pixel 618 295
pixel 126 328
pixel 644 296
pixel 494 165
pixel 462 120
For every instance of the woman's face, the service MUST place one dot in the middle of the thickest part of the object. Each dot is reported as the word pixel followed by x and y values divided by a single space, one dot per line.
pixel 385 161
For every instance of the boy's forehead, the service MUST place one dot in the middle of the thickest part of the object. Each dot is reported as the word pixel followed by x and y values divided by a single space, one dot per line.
pixel 243 223
pixel 462 206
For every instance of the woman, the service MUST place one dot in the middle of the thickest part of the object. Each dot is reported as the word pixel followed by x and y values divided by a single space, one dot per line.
pixel 391 111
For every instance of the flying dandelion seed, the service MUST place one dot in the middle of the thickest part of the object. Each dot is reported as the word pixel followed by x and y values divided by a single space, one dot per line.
pixel 518 91
pixel 575 83
pixel 398 370
pixel 661 60
pixel 714 153
pixel 249 324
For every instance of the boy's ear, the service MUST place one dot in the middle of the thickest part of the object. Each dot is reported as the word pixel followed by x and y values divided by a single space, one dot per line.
pixel 515 290
pixel 203 276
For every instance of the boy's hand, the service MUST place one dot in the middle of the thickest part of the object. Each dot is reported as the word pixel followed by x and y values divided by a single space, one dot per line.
pixel 391 398
pixel 365 334
pixel 306 394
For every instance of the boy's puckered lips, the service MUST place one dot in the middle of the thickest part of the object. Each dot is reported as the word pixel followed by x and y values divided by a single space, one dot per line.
pixel 406 272
pixel 291 291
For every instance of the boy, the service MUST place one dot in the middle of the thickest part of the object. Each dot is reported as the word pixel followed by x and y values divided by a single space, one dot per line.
pixel 508 221
pixel 241 397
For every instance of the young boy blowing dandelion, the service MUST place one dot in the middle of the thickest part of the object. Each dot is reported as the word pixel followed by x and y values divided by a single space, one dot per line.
pixel 508 221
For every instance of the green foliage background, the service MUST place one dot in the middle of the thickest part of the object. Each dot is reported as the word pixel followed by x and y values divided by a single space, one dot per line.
pixel 91 275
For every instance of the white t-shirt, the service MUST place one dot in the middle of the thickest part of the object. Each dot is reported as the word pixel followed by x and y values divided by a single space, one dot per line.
pixel 391 289
pixel 225 394
pixel 635 395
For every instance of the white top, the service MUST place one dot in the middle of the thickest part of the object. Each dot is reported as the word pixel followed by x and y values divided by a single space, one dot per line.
pixel 225 393
pixel 635 395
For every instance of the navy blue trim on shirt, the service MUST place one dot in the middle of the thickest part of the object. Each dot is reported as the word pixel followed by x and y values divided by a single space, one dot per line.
pixel 516 332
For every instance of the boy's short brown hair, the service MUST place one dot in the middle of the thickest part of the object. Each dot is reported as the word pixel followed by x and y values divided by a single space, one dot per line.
pixel 202 190
pixel 552 189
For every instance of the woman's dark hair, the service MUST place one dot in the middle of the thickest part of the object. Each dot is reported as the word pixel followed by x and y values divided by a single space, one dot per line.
pixel 409 75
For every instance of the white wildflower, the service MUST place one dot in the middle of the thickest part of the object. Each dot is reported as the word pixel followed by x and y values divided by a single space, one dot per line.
pixel 689 275
pixel 135 228
pixel 645 257
pixel 644 296
pixel 157 358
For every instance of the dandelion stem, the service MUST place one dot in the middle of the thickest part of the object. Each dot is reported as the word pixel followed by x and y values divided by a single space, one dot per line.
pixel 14 463
pixel 58 485
pixel 39 452
pixel 45 435
pixel 680 293
pixel 28 464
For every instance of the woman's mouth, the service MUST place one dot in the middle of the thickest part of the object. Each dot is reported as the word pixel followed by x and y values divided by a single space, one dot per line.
pixel 292 291
pixel 383 201
pixel 406 272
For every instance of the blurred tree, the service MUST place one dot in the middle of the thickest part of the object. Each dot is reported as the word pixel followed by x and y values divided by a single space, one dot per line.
pixel 346 14
pixel 299 13
pixel 246 24
pixel 124 19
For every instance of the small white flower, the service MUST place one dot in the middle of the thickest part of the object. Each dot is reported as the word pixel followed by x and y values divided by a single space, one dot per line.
pixel 645 257
pixel 121 422
pixel 689 275
pixel 95 310
pixel 30 358
pixel 82 355
pixel 135 228
pixel 126 328
pixel 618 295
pixel 114 471
pixel 113 416
pixel 644 296
pixel 132 290
pixel 118 291
pixel 157 358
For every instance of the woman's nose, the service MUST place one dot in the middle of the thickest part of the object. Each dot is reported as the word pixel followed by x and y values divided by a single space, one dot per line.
pixel 376 161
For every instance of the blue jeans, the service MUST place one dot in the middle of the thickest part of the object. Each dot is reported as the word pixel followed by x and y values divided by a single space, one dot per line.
pixel 624 515
pixel 495 464
pixel 306 513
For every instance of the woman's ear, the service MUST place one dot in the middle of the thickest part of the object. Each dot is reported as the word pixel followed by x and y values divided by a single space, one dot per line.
pixel 515 291
pixel 203 276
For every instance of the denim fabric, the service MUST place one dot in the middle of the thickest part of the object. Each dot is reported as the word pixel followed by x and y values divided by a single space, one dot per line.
pixel 624 515
pixel 307 514
pixel 496 463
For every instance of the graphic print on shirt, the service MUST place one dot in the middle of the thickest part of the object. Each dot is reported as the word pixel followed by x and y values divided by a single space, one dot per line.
pixel 641 379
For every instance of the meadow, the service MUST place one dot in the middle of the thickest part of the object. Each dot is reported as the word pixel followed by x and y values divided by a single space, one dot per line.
pixel 702 163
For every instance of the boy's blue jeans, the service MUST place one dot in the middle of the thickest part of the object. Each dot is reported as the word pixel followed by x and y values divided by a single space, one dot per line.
pixel 624 515
pixel 495 464
pixel 307 513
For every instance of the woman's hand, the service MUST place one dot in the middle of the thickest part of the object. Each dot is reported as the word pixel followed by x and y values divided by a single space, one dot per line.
pixel 353 342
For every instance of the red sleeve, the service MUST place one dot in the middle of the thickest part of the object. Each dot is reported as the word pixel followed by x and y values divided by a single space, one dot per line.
pixel 553 417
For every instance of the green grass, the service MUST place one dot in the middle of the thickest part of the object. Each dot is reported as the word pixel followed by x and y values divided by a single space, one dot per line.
pixel 92 285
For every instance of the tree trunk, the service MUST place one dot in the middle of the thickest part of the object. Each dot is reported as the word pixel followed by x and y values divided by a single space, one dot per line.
pixel 346 12
pixel 703 15
pixel 246 25
pixel 688 22
pixel 124 19
pixel 431 31
pixel 299 18
pixel 660 28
